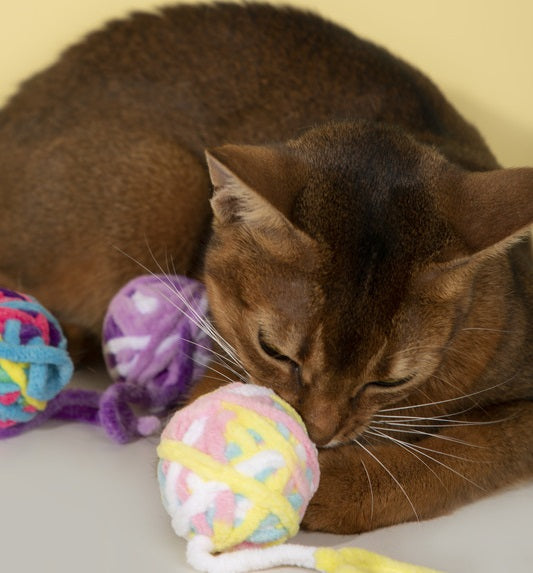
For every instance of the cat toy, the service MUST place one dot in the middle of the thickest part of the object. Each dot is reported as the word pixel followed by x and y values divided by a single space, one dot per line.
pixel 154 345
pixel 34 362
pixel 236 472
pixel 236 469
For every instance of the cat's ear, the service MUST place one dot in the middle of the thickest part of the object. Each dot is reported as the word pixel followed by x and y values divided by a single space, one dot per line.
pixel 488 211
pixel 249 187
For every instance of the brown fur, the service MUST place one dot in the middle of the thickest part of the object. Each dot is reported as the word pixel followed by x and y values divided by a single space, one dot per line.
pixel 367 257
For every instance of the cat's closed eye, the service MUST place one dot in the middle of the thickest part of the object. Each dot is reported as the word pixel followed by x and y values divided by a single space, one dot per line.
pixel 271 351
pixel 391 383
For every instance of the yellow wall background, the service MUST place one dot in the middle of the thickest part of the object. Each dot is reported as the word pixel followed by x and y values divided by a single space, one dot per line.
pixel 480 52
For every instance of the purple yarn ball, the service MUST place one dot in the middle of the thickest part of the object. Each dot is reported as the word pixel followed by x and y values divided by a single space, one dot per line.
pixel 154 342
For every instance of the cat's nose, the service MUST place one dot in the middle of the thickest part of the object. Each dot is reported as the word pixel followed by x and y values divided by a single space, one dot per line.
pixel 320 435
pixel 322 420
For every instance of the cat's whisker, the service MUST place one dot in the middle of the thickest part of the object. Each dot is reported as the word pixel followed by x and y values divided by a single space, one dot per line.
pixel 479 328
pixel 433 435
pixel 417 444
pixel 229 360
pixel 475 403
pixel 424 394
pixel 445 381
pixel 450 468
pixel 203 323
pixel 414 348
pixel 397 353
pixel 209 329
pixel 441 423
pixel 217 375
pixel 418 449
pixel 200 321
pixel 166 283
pixel 223 361
pixel 206 326
pixel 447 419
pixel 448 400
pixel 426 349
pixel 223 357
pixel 393 477
pixel 417 418
pixel 371 491
pixel 236 375
pixel 210 366
pixel 406 446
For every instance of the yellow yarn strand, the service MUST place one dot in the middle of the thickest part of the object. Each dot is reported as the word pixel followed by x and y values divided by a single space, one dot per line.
pixel 246 418
pixel 354 560
pixel 234 433
pixel 263 500
pixel 17 372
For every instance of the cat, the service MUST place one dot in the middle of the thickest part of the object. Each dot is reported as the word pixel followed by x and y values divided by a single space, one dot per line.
pixel 365 255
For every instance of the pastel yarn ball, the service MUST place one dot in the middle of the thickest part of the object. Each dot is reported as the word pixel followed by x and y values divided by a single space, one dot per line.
pixel 154 336
pixel 34 362
pixel 237 467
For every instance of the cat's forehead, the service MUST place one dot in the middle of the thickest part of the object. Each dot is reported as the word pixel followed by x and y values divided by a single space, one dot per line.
pixel 368 191
pixel 366 199
pixel 362 164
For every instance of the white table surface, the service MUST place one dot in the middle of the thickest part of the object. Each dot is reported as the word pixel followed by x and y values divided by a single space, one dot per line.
pixel 71 501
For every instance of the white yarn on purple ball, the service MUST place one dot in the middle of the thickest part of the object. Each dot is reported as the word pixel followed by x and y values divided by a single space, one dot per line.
pixel 155 346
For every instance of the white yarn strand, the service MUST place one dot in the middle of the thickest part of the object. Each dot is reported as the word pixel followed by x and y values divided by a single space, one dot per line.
pixel 245 560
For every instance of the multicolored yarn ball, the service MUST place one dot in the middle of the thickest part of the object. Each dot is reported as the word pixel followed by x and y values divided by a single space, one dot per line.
pixel 237 467
pixel 34 362
pixel 155 345
pixel 236 473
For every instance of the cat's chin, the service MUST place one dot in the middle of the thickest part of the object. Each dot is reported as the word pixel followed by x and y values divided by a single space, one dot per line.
pixel 333 444
pixel 337 442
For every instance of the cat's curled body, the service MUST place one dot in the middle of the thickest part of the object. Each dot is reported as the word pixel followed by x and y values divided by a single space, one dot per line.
pixel 366 259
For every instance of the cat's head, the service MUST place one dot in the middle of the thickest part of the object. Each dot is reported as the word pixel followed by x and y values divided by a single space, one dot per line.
pixel 338 261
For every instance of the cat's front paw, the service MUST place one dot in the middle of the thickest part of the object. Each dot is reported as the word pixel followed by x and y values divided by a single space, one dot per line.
pixel 338 506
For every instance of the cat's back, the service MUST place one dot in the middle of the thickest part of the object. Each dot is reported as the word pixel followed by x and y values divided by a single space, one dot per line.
pixel 211 73
pixel 208 56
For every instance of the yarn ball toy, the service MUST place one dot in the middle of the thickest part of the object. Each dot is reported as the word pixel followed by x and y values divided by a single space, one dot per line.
pixel 236 472
pixel 34 362
pixel 155 343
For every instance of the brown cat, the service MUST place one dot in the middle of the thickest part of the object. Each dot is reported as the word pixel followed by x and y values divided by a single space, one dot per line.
pixel 368 259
